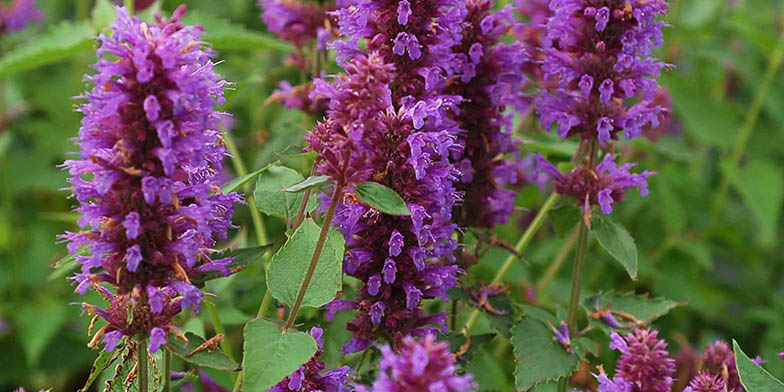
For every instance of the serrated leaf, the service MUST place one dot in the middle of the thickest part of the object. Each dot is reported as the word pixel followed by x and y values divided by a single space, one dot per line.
pixel 236 183
pixel 269 196
pixel 104 360
pixel 618 243
pixel 224 35
pixel 754 378
pixel 241 258
pixel 60 42
pixel 307 183
pixel 382 198
pixel 564 218
pixel 641 307
pixel 289 265
pixel 272 354
pixel 762 187
pixel 211 358
pixel 540 358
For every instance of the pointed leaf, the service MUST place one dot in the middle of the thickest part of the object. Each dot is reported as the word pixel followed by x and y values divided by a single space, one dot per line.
pixel 289 265
pixel 241 258
pixel 212 358
pixel 641 307
pixel 540 358
pixel 382 198
pixel 271 354
pixel 618 243
pixel 269 198
pixel 307 183
pixel 242 180
pixel 104 360
pixel 754 378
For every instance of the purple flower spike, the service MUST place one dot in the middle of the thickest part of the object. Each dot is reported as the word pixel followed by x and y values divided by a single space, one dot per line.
pixel 706 382
pixel 718 357
pixel 423 365
pixel 146 178
pixel 644 361
pixel 610 45
pixel 296 21
pixel 18 14
pixel 311 376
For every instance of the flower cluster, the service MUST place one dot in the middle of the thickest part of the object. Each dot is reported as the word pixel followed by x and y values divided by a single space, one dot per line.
pixel 16 15
pixel 389 121
pixel 491 79
pixel 146 178
pixel 298 22
pixel 718 359
pixel 533 35
pixel 600 55
pixel 308 378
pixel 423 365
pixel 706 382
pixel 644 365
pixel 605 185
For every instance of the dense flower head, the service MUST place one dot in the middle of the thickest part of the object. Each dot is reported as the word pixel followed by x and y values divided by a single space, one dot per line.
pixel 706 382
pixel 151 151
pixel 18 14
pixel 419 365
pixel 298 21
pixel 299 98
pixel 309 377
pixel 718 359
pixel 644 362
pixel 605 185
pixel 600 56
pixel 397 257
pixel 491 79
pixel 533 35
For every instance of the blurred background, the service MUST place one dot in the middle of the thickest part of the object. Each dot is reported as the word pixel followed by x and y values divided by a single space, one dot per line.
pixel 708 235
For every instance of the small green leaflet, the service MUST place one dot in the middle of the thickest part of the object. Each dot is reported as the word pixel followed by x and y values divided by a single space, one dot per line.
pixel 104 360
pixel 307 183
pixel 272 354
pixel 211 358
pixel 242 180
pixel 618 243
pixel 382 198
pixel 241 258
pixel 540 358
pixel 754 378
pixel 641 307
pixel 269 196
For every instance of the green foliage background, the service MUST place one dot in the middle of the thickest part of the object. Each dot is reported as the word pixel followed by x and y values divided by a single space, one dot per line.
pixel 723 260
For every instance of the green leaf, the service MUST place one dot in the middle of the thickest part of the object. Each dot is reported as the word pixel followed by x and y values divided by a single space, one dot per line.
pixel 762 187
pixel 272 354
pixel 63 266
pixel 618 243
pixel 754 378
pixel 289 265
pixel 241 258
pixel 564 218
pixel 269 196
pixel 540 358
pixel 457 340
pixel 642 307
pixel 60 42
pixel 224 35
pixel 242 180
pixel 382 198
pixel 103 14
pixel 307 183
pixel 104 360
pixel 211 358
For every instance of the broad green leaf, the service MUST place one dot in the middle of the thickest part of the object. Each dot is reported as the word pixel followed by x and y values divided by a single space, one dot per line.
pixel 122 378
pixel 618 243
pixel 762 187
pixel 289 265
pixel 271 354
pixel 307 183
pixel 242 180
pixel 60 42
pixel 457 340
pixel 381 198
pixel 224 35
pixel 754 378
pixel 212 358
pixel 540 358
pixel 104 360
pixel 641 307
pixel 271 200
pixel 241 258
pixel 564 218
pixel 37 325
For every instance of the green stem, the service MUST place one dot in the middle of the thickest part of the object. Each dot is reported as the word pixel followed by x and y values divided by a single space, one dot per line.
pixel 316 255
pixel 166 370
pixel 774 63
pixel 141 361
pixel 522 244
pixel 129 6
pixel 218 326
pixel 574 298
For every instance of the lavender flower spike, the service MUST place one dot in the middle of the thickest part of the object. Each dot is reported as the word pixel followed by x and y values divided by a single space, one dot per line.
pixel 423 365
pixel 309 377
pixel 151 210
pixel 644 361
pixel 706 382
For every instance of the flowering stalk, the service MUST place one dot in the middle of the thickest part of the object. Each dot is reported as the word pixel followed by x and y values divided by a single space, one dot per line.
pixel 141 361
